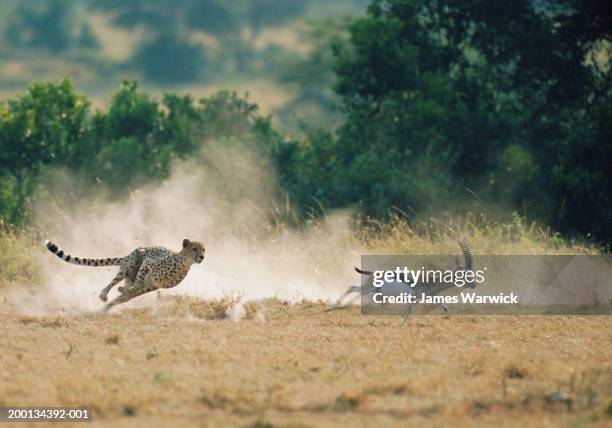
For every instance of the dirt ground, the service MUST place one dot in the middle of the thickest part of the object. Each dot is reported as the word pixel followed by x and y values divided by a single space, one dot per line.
pixel 181 363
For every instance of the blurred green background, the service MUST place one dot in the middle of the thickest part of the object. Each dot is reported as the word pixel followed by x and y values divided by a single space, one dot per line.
pixel 418 107
pixel 275 50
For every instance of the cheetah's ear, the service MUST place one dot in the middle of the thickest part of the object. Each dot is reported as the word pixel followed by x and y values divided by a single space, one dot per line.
pixel 186 242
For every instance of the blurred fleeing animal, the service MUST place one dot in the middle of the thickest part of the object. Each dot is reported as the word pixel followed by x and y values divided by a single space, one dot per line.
pixel 145 269
pixel 430 289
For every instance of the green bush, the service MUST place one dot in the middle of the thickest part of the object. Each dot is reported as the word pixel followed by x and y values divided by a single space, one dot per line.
pixel 440 97
pixel 169 59
pixel 132 142
pixel 443 108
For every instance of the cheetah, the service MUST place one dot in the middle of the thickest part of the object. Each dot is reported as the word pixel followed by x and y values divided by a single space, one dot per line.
pixel 145 269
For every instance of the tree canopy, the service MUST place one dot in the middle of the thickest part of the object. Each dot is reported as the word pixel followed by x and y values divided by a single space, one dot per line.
pixel 446 106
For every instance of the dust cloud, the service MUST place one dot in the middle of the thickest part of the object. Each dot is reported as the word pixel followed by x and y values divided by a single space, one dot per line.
pixel 225 198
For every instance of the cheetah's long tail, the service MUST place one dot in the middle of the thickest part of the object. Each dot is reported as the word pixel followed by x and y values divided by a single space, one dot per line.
pixel 77 261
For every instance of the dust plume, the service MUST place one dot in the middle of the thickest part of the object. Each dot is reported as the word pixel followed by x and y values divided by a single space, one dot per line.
pixel 224 198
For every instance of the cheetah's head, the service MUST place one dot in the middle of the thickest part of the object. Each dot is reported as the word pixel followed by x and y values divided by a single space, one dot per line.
pixel 194 249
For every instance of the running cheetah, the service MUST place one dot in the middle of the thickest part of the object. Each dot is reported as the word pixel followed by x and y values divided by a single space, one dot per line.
pixel 145 269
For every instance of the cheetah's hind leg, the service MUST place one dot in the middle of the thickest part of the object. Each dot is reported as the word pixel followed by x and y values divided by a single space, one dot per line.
pixel 141 285
pixel 125 297
pixel 117 279
pixel 136 279
pixel 128 285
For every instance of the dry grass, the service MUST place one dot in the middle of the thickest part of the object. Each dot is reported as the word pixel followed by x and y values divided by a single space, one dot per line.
pixel 296 365
pixel 181 362
pixel 486 237
pixel 17 266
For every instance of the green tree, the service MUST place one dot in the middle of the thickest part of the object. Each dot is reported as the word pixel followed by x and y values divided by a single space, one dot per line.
pixel 170 55
pixel 131 143
pixel 517 115
pixel 48 125
pixel 54 25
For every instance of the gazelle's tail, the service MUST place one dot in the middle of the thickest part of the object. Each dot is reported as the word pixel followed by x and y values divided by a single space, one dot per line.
pixel 467 254
pixel 78 261
pixel 469 261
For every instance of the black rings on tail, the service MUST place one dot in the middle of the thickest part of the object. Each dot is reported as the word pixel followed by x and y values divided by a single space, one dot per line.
pixel 467 254
pixel 56 250
pixel 469 262
pixel 78 261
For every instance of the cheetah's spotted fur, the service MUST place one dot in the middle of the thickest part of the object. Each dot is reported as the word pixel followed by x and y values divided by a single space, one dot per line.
pixel 145 269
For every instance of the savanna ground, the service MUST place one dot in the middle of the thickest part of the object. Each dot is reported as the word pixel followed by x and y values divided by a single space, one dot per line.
pixel 182 362
pixel 296 365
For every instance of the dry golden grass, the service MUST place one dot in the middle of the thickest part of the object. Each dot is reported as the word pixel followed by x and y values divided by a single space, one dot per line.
pixel 181 362
pixel 296 365
pixel 486 237
pixel 17 266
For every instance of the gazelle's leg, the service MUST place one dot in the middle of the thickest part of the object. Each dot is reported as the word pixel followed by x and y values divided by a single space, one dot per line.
pixel 352 289
pixel 444 308
pixel 407 314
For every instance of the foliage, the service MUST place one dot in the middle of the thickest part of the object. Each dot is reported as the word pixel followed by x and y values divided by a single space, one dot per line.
pixel 312 73
pixel 184 41
pixel 167 59
pixel 44 127
pixel 134 141
pixel 54 25
pixel 444 110
pixel 440 97
pixel 171 56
